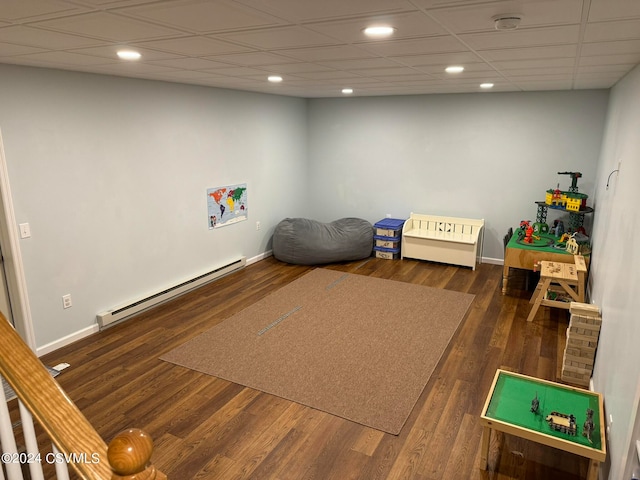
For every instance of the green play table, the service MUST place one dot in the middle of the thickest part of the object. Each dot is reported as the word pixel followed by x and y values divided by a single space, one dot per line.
pixel 508 409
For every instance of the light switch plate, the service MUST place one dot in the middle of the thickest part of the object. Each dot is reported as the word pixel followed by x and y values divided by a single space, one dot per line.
pixel 25 230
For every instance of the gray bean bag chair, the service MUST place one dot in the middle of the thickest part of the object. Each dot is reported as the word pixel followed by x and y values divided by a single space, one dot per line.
pixel 309 242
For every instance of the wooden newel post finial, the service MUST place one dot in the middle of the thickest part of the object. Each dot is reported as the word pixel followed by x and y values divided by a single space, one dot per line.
pixel 129 454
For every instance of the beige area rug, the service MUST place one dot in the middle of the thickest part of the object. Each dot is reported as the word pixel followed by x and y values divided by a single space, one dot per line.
pixel 358 347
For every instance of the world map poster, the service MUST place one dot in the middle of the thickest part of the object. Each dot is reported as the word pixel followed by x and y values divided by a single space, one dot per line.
pixel 227 205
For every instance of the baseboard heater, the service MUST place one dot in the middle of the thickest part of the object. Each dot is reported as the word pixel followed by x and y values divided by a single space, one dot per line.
pixel 123 311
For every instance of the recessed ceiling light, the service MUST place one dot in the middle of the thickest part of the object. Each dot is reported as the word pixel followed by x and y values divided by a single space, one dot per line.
pixel 347 91
pixel 275 78
pixel 454 69
pixel 379 31
pixel 486 85
pixel 129 55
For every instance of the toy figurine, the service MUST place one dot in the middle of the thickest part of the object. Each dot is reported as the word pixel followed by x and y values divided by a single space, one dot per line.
pixel 528 237
pixel 572 245
pixel 565 236
pixel 535 404
pixel 588 427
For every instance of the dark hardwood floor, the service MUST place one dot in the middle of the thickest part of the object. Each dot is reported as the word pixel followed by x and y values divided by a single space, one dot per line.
pixel 208 428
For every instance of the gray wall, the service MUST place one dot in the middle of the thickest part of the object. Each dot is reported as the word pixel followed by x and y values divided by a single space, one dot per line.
pixel 111 174
pixel 485 156
pixel 614 278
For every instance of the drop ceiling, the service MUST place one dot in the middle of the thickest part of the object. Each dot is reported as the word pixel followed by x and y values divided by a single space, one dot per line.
pixel 319 48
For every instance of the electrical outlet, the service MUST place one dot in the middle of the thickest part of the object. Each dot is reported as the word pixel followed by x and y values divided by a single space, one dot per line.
pixel 66 301
pixel 257 225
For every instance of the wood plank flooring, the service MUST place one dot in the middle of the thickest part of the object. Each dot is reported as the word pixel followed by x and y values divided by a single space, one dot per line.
pixel 208 428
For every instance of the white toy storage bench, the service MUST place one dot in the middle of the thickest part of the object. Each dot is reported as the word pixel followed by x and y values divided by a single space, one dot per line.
pixel 442 239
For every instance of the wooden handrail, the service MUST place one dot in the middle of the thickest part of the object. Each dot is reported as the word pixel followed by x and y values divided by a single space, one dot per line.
pixel 65 424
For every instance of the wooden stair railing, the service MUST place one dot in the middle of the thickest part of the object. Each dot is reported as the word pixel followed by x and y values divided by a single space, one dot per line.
pixel 127 456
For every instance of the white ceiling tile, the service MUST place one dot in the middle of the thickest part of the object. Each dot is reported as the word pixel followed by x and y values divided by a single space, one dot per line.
pixel 471 70
pixel 194 46
pixel 622 59
pixel 611 48
pixel 251 58
pixel 187 75
pixel 532 77
pixel 548 72
pixel 203 16
pixel 389 71
pixel 616 70
pixel 107 26
pixel 295 68
pixel 65 59
pixel 453 58
pixel 361 63
pixel 24 10
pixel 240 71
pixel 541 84
pixel 361 81
pixel 110 51
pixel 412 24
pixel 420 46
pixel 554 51
pixel 113 3
pixel 595 83
pixel 477 18
pixel 189 63
pixel 613 10
pixel 305 11
pixel 36 37
pixel 523 38
pixel 329 74
pixel 597 76
pixel 132 69
pixel 278 38
pixel 319 54
pixel 606 31
pixel 9 49
pixel 535 63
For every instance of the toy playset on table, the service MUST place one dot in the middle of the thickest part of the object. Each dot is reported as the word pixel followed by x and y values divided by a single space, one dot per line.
pixel 536 241
pixel 573 238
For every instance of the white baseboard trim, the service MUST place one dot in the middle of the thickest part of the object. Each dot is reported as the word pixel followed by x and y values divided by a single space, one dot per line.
pixel 493 261
pixel 85 332
pixel 64 341
pixel 257 258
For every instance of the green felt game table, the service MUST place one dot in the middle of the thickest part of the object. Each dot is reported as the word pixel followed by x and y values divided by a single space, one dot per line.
pixel 508 409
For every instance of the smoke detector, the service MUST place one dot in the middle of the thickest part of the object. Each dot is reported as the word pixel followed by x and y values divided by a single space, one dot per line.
pixel 507 21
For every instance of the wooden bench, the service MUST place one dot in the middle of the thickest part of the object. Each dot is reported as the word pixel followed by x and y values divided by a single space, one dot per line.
pixel 442 239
